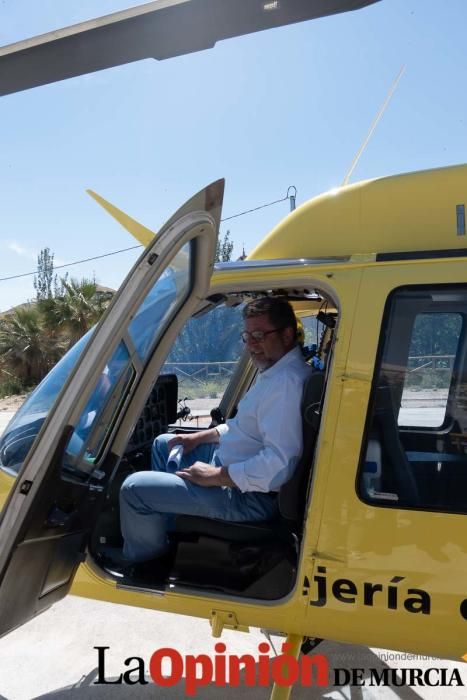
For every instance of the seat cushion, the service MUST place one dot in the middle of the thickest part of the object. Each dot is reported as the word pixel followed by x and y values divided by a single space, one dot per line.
pixel 190 525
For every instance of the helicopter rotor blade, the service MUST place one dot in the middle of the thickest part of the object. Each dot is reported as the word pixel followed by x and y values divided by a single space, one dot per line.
pixel 160 29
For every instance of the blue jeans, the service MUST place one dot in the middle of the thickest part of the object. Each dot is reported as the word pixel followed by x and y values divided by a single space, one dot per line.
pixel 148 499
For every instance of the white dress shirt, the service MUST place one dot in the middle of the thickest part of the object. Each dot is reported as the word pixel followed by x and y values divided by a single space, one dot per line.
pixel 262 444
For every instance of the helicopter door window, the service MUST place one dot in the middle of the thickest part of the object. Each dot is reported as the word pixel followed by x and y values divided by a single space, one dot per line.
pixel 99 416
pixel 96 420
pixel 170 290
pixel 415 454
pixel 430 365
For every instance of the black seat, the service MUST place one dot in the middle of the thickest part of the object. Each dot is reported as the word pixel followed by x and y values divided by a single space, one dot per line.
pixel 293 494
pixel 400 478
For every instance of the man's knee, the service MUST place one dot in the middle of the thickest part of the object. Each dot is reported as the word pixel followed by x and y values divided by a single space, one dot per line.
pixel 161 442
pixel 160 451
pixel 147 491
pixel 129 489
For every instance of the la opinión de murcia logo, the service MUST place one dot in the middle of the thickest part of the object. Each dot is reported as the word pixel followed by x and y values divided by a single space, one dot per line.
pixel 246 670
pixel 221 669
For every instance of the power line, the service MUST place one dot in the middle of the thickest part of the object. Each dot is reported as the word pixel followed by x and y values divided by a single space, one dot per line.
pixel 134 247
pixel 262 206
pixel 76 262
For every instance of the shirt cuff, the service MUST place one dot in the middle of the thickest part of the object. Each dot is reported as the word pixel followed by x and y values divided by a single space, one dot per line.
pixel 237 474
pixel 222 428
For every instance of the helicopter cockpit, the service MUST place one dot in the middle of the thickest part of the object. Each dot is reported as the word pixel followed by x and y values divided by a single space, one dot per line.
pixel 206 372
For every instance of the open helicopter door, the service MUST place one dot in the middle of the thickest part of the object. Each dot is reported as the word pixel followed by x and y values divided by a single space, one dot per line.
pixel 54 502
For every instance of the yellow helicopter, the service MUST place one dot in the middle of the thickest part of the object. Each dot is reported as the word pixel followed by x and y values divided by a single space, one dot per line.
pixel 370 544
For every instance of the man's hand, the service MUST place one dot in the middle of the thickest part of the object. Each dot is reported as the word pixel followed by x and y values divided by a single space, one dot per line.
pixel 188 440
pixel 204 474
pixel 192 440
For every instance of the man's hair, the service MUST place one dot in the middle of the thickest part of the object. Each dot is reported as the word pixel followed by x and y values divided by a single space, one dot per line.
pixel 278 310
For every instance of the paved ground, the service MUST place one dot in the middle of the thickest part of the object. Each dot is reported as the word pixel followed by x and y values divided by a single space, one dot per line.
pixel 53 657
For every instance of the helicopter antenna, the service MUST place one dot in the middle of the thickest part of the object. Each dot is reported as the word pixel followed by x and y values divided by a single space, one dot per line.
pixel 374 125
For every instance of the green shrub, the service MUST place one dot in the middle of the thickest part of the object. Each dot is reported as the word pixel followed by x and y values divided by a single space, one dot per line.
pixel 10 387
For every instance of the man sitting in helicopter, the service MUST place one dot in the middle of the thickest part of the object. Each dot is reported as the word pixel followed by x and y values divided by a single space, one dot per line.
pixel 231 472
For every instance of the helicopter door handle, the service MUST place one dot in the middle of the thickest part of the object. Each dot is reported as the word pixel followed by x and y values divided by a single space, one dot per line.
pixel 383 495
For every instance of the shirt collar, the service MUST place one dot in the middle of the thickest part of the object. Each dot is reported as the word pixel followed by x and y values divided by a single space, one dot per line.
pixel 285 360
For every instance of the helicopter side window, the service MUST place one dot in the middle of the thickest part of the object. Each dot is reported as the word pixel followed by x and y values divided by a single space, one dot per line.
pixel 204 357
pixel 415 454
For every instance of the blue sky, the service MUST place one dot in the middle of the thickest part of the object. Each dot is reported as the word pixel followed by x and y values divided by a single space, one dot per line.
pixel 290 106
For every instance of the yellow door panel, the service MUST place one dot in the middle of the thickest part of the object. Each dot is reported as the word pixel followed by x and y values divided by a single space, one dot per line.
pixel 384 575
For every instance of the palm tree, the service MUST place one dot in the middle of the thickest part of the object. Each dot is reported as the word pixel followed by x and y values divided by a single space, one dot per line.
pixel 75 311
pixel 34 337
pixel 27 351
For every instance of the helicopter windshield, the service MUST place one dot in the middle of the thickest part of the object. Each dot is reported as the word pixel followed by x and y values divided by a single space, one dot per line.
pixel 25 425
pixel 169 290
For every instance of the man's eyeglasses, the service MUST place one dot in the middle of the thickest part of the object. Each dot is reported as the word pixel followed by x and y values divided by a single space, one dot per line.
pixel 257 336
